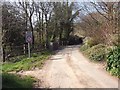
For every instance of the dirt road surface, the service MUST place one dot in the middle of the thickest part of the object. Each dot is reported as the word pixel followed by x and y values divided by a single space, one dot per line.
pixel 68 68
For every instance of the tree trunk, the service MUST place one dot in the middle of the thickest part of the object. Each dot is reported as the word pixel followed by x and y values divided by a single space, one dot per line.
pixel 31 26
pixel 3 54
pixel 42 32
pixel 46 33
pixel 1 36
pixel 60 36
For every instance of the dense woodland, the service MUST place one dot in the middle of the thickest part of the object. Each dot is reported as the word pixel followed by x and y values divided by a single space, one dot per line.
pixel 94 25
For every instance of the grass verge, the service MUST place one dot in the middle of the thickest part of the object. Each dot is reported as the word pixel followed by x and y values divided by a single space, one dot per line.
pixel 25 63
pixel 16 81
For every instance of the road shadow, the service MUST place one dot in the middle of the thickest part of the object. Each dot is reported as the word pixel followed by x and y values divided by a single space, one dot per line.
pixel 67 47
pixel 55 58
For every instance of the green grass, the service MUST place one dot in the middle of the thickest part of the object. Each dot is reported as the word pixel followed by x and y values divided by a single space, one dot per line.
pixel 25 63
pixel 16 81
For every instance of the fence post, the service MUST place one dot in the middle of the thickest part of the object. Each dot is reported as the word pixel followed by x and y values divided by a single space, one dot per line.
pixel 24 48
pixel 29 50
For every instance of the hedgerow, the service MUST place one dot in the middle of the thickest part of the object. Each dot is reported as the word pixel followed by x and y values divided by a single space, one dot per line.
pixel 96 53
pixel 113 61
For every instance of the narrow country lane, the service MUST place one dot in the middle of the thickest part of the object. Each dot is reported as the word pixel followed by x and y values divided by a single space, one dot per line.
pixel 68 68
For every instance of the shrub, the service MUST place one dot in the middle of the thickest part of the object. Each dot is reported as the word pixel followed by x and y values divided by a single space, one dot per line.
pixel 84 47
pixel 114 39
pixel 91 41
pixel 34 55
pixel 113 61
pixel 96 53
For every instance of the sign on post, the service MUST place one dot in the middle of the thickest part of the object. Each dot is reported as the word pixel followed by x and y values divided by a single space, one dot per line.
pixel 29 37
pixel 28 40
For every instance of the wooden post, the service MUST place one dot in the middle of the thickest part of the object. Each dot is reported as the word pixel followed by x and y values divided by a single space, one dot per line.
pixel 24 48
pixel 29 50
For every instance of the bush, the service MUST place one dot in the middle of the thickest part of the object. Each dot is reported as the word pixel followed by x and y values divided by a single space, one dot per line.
pixel 114 39
pixel 84 47
pixel 34 55
pixel 113 61
pixel 96 53
pixel 90 41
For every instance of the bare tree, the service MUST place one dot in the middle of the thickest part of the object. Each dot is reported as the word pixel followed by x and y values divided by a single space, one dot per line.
pixel 110 12
pixel 101 16
pixel 28 8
